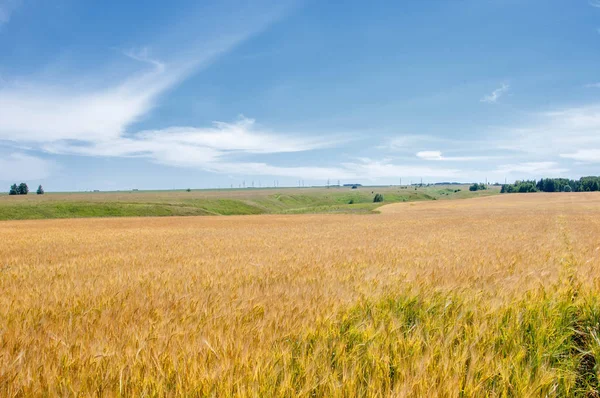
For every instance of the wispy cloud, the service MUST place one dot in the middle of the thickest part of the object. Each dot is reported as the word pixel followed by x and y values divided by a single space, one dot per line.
pixel 102 107
pixel 42 113
pixel 6 9
pixel 437 156
pixel 408 142
pixel 143 55
pixel 594 3
pixel 496 94
pixel 532 168
pixel 584 155
pixel 196 147
pixel 592 85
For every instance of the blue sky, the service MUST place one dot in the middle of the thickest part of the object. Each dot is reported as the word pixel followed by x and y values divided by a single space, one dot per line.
pixel 158 95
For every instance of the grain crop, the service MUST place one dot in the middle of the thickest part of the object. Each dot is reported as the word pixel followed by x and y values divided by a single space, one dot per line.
pixel 493 296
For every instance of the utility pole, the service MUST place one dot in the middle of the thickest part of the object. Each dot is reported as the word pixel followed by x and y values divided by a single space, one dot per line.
pixel 328 183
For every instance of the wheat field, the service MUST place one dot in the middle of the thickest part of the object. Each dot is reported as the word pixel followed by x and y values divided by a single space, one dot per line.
pixel 491 296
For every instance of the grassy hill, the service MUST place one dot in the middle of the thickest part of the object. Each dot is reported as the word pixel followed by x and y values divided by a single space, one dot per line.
pixel 220 202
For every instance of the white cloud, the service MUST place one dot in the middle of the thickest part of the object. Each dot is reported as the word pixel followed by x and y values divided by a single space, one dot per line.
pixel 532 168
pixel 496 94
pixel 195 147
pixel 410 141
pixel 46 114
pixel 17 167
pixel 592 85
pixel 430 155
pixel 102 106
pixel 437 155
pixel 584 155
pixel 595 3
pixel 374 169
pixel 550 134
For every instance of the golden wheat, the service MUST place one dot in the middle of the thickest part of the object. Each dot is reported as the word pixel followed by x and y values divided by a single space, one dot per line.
pixel 490 296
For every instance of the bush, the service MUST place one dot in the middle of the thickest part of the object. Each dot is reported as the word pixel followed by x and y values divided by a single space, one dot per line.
pixel 378 198
pixel 351 202
pixel 40 190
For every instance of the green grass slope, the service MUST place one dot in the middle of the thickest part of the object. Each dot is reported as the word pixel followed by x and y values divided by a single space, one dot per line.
pixel 223 202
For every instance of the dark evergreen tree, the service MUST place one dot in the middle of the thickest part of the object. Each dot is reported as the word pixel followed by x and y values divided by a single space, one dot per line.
pixel 14 190
pixel 40 190
pixel 23 189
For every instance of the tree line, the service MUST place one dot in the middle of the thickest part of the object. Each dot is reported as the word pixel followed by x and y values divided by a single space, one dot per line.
pixel 584 184
pixel 23 189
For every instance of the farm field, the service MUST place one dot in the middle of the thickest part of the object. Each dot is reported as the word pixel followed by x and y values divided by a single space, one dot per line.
pixel 221 202
pixel 492 296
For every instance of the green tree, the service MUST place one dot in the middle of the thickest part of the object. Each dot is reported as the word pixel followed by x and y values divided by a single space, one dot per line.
pixel 378 198
pixel 23 189
pixel 477 187
pixel 40 190
pixel 14 190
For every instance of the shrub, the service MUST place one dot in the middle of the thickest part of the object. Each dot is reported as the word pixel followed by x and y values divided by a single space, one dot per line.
pixel 351 202
pixel 40 190
pixel 378 198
